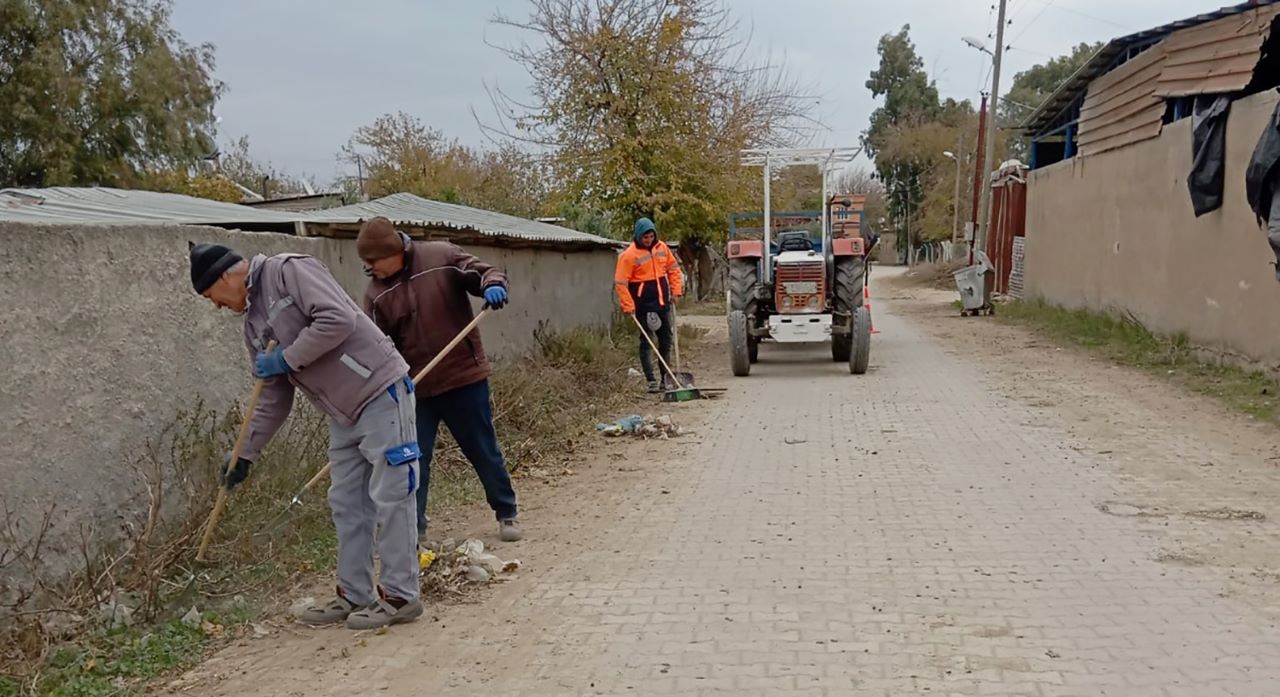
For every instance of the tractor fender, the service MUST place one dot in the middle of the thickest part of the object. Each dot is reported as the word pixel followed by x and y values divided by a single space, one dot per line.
pixel 746 249
pixel 848 247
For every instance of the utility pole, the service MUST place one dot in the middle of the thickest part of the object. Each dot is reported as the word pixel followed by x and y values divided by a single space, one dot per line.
pixel 980 238
pixel 955 222
pixel 955 207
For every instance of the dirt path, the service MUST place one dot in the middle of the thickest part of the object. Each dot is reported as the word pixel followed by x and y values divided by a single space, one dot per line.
pixel 1049 526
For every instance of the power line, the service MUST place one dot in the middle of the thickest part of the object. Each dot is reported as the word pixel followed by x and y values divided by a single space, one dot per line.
pixel 982 84
pixel 1039 14
pixel 1086 15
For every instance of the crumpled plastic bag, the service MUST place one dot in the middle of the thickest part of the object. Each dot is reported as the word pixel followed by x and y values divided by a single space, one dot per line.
pixel 624 425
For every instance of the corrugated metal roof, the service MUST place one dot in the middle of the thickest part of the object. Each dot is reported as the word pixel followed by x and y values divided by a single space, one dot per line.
pixel 411 210
pixel 1215 57
pixel 106 206
pixel 1070 89
pixel 101 205
pixel 1120 107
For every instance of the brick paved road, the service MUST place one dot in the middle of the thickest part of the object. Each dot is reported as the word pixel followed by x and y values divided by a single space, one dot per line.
pixel 848 536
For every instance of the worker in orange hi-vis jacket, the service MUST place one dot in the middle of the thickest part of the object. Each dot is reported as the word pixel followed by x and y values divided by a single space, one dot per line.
pixel 648 280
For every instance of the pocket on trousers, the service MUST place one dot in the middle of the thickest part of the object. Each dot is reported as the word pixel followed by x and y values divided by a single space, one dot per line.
pixel 403 454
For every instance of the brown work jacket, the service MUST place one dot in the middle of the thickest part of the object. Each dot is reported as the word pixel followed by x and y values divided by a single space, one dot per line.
pixel 426 305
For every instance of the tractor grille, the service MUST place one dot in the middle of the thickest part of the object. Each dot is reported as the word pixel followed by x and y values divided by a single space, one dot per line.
pixel 800 287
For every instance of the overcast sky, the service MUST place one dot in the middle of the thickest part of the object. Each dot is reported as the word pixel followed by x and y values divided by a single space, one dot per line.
pixel 302 76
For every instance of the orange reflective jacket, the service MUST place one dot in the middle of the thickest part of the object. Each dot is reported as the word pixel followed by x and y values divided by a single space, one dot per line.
pixel 647 279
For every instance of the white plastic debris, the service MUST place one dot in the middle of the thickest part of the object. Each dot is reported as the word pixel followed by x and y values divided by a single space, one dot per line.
pixel 488 562
pixel 300 606
pixel 477 574
pixel 471 548
pixel 192 618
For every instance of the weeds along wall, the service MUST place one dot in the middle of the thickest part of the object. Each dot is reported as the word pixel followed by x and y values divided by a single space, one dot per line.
pixel 104 343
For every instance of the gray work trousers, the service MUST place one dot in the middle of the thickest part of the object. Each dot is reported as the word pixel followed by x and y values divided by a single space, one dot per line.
pixel 372 492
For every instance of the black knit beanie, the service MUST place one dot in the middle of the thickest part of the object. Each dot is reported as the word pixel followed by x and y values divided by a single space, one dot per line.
pixel 208 263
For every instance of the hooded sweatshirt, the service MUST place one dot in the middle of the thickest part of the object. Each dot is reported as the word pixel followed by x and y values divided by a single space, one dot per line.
pixel 646 279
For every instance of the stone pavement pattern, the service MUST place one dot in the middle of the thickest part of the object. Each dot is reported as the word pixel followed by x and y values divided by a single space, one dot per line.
pixel 906 532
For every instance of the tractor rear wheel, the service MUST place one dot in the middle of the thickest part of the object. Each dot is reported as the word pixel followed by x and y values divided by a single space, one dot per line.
pixel 739 344
pixel 861 354
pixel 850 277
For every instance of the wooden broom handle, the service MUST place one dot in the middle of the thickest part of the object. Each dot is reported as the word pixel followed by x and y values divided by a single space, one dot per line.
pixel 220 504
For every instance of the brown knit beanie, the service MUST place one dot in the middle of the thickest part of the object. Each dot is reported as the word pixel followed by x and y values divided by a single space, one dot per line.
pixel 378 239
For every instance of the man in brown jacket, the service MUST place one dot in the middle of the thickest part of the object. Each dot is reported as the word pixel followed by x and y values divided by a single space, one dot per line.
pixel 419 296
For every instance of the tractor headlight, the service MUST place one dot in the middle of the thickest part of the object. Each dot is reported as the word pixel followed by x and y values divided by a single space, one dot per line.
pixel 786 301
pixel 813 302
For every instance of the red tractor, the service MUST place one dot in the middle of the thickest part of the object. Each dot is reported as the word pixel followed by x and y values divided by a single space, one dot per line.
pixel 806 284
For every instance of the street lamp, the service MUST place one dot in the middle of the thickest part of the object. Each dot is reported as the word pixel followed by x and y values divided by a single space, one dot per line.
pixel 975 43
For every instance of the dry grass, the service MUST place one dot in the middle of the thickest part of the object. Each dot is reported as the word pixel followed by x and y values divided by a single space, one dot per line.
pixel 53 637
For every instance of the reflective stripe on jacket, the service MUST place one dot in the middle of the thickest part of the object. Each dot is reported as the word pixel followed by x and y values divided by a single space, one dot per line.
pixel 647 279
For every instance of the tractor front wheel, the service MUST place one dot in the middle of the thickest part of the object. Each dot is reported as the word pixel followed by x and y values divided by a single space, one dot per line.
pixel 739 344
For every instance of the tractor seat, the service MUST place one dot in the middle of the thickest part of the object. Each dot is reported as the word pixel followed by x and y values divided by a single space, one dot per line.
pixel 796 244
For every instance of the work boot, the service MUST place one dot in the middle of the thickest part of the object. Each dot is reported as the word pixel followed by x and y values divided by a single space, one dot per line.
pixel 382 613
pixel 334 611
pixel 509 530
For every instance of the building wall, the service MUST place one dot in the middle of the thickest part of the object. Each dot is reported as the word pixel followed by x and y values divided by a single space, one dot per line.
pixel 104 342
pixel 1116 230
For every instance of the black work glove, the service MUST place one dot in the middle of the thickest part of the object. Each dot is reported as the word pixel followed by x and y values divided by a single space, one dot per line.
pixel 231 476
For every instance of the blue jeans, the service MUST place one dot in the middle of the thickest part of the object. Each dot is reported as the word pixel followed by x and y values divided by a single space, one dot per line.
pixel 468 414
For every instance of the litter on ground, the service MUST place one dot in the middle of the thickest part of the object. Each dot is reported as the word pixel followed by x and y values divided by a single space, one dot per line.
pixel 641 427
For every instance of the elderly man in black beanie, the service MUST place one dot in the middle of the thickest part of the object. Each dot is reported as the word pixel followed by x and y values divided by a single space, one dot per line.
pixel 329 349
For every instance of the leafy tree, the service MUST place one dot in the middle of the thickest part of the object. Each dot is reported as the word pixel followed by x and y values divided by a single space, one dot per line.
pixel 97 91
pixel 583 219
pixel 398 152
pixel 909 95
pixel 210 185
pixel 644 106
pixel 1035 84
pixel 903 137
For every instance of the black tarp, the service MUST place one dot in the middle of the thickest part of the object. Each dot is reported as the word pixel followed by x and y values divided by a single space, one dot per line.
pixel 1209 154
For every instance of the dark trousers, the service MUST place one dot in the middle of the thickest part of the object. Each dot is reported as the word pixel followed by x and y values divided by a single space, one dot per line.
pixel 663 333
pixel 468 414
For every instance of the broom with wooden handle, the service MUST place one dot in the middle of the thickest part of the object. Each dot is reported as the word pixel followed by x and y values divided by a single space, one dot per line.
pixel 220 504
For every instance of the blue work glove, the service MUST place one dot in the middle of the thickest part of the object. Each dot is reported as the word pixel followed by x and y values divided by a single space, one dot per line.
pixel 231 476
pixel 496 296
pixel 270 364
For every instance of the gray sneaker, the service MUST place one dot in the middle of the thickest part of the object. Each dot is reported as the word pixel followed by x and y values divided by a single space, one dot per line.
pixel 334 611
pixel 382 614
pixel 653 387
pixel 509 530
